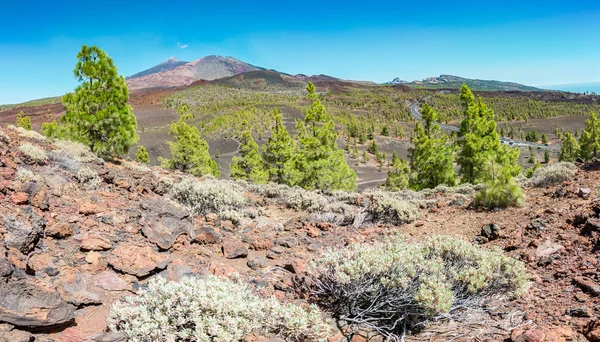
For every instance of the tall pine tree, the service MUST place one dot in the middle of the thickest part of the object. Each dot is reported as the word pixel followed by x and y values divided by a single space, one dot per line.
pixel 278 149
pixel 431 157
pixel 589 141
pixel 482 157
pixel 317 162
pixel 249 165
pixel 97 112
pixel 569 150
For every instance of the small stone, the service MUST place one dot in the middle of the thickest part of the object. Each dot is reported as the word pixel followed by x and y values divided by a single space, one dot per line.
pixel 288 242
pixel 257 263
pixel 234 249
pixel 491 231
pixel 92 242
pixel 110 281
pixel 93 257
pixel 295 266
pixel 584 193
pixel 107 219
pixel 136 260
pixel 19 197
pixel 261 244
pixel 547 249
pixel 580 312
pixel 312 231
pixel 59 230
pixel 588 285
pixel 207 235
pixel 89 208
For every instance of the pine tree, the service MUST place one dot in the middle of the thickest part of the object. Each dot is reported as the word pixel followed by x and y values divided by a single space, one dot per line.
pixel 373 148
pixel 590 138
pixel 97 112
pixel 431 157
pixel 278 149
pixel 189 152
pixel 544 138
pixel 385 131
pixel 23 121
pixel 317 162
pixel 141 155
pixel 249 165
pixel 482 157
pixel 546 156
pixel 569 150
pixel 398 177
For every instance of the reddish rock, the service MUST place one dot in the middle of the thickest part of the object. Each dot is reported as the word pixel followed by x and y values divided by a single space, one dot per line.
pixel 207 235
pixel 312 231
pixel 324 225
pixel 222 270
pixel 92 242
pixel 261 244
pixel 110 281
pixel 587 285
pixel 59 230
pixel 89 208
pixel 93 257
pixel 136 260
pixel 40 262
pixel 295 266
pixel 234 249
pixel 19 197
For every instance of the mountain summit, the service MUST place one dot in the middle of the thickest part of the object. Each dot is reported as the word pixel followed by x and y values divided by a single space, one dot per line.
pixel 169 64
pixel 173 72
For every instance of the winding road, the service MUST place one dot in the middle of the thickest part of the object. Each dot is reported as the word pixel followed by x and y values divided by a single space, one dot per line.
pixel 415 111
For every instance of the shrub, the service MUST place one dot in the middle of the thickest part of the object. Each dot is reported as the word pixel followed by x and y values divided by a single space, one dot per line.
pixel 23 121
pixel 385 208
pixel 26 133
pixel 64 160
pixel 296 197
pixel 551 175
pixel 136 167
pixel 77 150
pixel 33 153
pixel 4 138
pixel 141 155
pixel 210 309
pixel 209 196
pixel 24 175
pixel 393 285
pixel 88 177
pixel 500 195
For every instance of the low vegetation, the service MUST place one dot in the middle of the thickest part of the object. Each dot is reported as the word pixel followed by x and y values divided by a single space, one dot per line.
pixel 211 309
pixel 32 153
pixel 551 175
pixel 394 287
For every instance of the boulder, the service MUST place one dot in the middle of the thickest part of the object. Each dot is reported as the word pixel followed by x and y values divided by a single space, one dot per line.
pixel 136 260
pixel 76 288
pixel 31 302
pixel 59 230
pixel 164 222
pixel 258 263
pixel 19 234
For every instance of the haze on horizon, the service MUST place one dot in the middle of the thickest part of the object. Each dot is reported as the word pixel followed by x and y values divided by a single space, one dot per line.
pixel 516 41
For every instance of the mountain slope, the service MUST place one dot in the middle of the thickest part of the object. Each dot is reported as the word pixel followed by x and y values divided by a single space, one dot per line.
pixel 207 68
pixel 169 64
pixel 455 82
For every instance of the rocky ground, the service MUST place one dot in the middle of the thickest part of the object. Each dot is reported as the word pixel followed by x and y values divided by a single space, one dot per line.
pixel 69 249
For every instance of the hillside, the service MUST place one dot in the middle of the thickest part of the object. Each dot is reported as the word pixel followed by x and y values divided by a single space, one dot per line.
pixel 167 65
pixel 207 68
pixel 79 234
pixel 455 82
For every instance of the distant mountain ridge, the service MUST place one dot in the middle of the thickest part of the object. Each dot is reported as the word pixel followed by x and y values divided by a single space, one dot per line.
pixel 207 68
pixel 167 65
pixel 455 82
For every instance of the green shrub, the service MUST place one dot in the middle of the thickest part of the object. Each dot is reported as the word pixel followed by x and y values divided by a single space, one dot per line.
pixel 392 285
pixel 141 155
pixel 33 154
pixel 209 196
pixel 551 175
pixel 210 309
pixel 23 121
pixel 500 195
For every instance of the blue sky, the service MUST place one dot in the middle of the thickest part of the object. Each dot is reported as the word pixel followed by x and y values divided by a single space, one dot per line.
pixel 531 42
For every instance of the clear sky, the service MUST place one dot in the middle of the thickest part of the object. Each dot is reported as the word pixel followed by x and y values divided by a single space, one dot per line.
pixel 530 42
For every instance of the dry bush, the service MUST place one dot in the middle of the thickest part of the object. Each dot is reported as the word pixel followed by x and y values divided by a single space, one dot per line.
pixel 386 207
pixel 395 286
pixel 26 133
pixel 88 177
pixel 221 197
pixel 24 175
pixel 551 175
pixel 32 153
pixel 210 309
